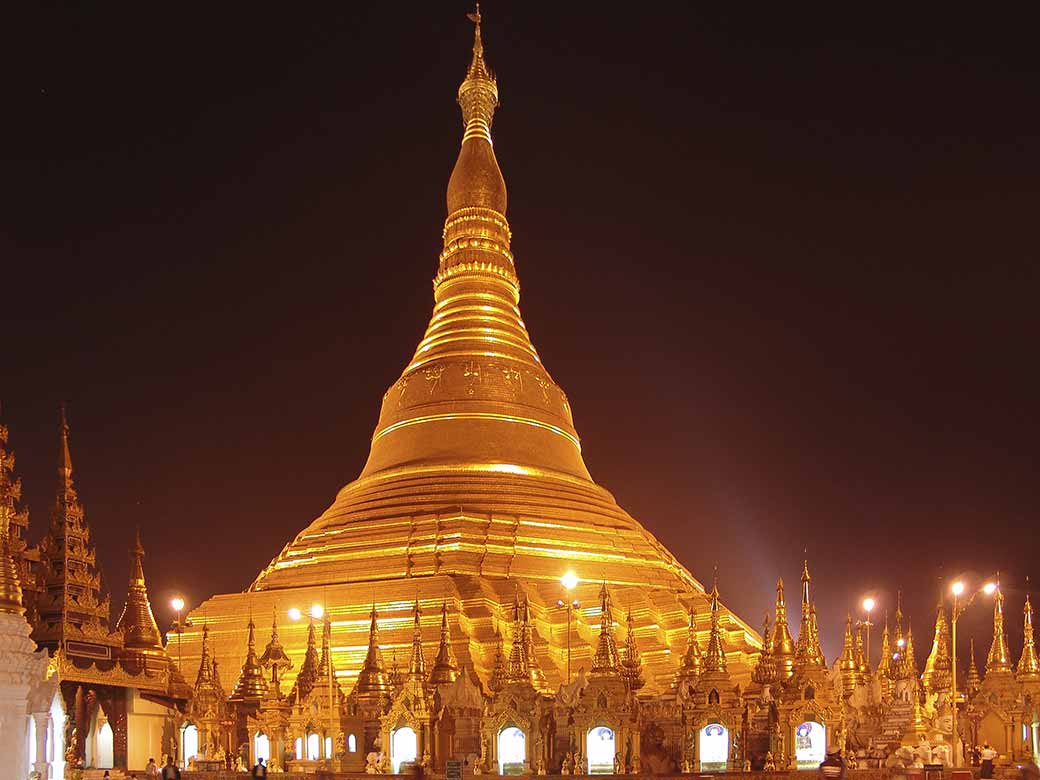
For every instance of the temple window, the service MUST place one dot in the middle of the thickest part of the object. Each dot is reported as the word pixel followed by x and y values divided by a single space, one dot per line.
pixel 352 743
pixel 313 747
pixel 713 747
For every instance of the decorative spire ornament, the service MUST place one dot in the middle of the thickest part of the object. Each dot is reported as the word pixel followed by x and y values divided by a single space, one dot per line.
pixel 251 685
pixel 445 668
pixel 605 662
pixel 999 659
pixel 1028 666
pixel 765 671
pixel 848 666
pixel 691 665
pixel 275 660
pixel 372 681
pixel 631 663
pixel 13 522
pixel 783 644
pixel 973 679
pixel 715 655
pixel 136 622
pixel 937 668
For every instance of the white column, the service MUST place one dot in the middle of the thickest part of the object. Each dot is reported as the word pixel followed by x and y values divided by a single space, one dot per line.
pixel 42 766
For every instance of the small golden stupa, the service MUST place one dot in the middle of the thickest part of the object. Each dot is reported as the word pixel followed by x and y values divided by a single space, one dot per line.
pixel 474 487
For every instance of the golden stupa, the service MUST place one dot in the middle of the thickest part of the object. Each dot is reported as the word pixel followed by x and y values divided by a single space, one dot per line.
pixel 475 490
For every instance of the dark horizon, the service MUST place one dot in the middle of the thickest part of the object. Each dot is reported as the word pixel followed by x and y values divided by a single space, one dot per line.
pixel 782 263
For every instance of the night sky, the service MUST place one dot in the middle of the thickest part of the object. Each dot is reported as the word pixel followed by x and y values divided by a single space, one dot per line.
pixel 783 262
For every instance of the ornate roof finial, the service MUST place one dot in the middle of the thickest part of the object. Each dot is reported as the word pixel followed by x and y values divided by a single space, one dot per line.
pixel 10 493
pixel 136 621
pixel 715 655
pixel 251 685
pixel 937 667
pixel 372 681
pixel 808 653
pixel 765 671
pixel 417 666
pixel 999 658
pixel 690 668
pixel 974 681
pixel 605 662
pixel 1028 665
pixel 783 644
pixel 445 668
pixel 275 659
pixel 632 664
pixel 848 666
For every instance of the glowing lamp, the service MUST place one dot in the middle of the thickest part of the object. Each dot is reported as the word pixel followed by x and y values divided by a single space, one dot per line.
pixel 317 611
pixel 295 614
pixel 569 580
pixel 868 604
pixel 901 642
pixel 957 588
pixel 988 588
pixel 177 604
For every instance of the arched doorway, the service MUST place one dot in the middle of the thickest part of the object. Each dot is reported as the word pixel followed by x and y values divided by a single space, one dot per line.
pixel 262 747
pixel 352 743
pixel 403 747
pixel 713 747
pixel 512 751
pixel 103 746
pixel 298 748
pixel 313 747
pixel 810 744
pixel 189 742
pixel 600 750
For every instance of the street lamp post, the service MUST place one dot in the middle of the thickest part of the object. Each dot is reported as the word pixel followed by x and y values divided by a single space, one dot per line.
pixel 178 604
pixel 958 589
pixel 569 581
pixel 868 606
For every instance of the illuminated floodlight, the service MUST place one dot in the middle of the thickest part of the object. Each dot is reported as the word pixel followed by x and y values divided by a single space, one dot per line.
pixel 988 588
pixel 868 604
pixel 957 588
pixel 569 580
pixel 177 604
pixel 295 614
pixel 901 642
pixel 317 611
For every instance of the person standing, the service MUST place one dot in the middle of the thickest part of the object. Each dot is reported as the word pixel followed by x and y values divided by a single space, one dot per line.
pixel 259 771
pixel 171 771
pixel 987 755
pixel 151 772
pixel 833 766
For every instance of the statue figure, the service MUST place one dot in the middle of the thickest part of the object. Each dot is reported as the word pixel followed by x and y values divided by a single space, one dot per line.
pixel 619 764
pixel 582 764
pixel 770 765
pixel 539 766
pixel 852 762
pixel 747 764
pixel 687 765
pixel 568 764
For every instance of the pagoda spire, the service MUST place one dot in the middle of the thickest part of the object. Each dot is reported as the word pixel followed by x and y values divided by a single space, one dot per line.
pixel 14 522
pixel 417 665
pixel 205 673
pixel 631 663
pixel 445 668
pixel 783 644
pixel 690 667
pixel 884 670
pixel 999 658
pixel 861 659
pixel 71 603
pixel 10 520
pixel 499 674
pixel 523 664
pixel 308 673
pixel 251 685
pixel 937 668
pixel 765 672
pixel 973 679
pixel 372 681
pixel 848 666
pixel 897 631
pixel 136 622
pixel 275 660
pixel 605 662
pixel 715 655
pixel 326 666
pixel 808 653
pixel 909 655
pixel 1028 666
